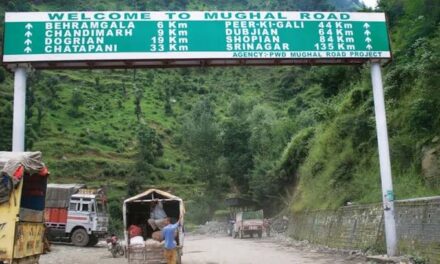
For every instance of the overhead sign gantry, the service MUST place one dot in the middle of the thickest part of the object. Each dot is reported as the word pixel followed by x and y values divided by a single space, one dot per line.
pixel 158 39
pixel 54 40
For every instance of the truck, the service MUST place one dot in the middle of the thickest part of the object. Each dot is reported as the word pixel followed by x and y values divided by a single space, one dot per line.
pixel 248 223
pixel 23 182
pixel 136 211
pixel 76 214
pixel 238 204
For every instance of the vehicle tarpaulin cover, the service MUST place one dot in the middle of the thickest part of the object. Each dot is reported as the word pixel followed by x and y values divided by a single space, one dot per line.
pixel 58 195
pixel 13 166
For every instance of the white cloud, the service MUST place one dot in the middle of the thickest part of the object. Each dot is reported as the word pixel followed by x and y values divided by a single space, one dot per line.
pixel 370 3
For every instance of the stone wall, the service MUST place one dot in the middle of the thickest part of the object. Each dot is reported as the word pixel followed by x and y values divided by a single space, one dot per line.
pixel 362 227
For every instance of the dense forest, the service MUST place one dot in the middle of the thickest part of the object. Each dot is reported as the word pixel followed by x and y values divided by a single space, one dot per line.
pixel 286 137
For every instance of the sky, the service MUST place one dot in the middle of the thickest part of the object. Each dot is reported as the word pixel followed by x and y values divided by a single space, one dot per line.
pixel 370 3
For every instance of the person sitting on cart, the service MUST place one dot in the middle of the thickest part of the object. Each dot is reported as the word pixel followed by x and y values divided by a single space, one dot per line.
pixel 158 217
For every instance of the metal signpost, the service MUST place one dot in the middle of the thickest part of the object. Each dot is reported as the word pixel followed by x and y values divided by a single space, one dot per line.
pixel 54 40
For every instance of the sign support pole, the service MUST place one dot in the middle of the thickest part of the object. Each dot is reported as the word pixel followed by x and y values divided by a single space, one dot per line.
pixel 384 160
pixel 19 119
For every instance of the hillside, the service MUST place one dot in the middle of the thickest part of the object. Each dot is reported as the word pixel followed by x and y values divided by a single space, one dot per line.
pixel 297 136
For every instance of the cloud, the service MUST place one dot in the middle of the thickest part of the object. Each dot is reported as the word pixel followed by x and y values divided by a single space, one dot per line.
pixel 370 3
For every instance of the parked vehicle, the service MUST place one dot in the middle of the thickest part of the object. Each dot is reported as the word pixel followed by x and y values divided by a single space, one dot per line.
pixel 114 246
pixel 237 204
pixel 76 214
pixel 136 211
pixel 23 181
pixel 248 223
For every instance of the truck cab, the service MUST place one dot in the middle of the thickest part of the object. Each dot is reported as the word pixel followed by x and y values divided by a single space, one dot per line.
pixel 87 212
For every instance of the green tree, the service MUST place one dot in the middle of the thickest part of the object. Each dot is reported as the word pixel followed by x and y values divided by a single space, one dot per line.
pixel 50 88
pixel 40 112
pixel 236 149
pixel 76 100
pixel 98 85
pixel 18 6
pixel 138 95
pixel 124 89
pixel 2 75
pixel 134 186
pixel 201 139
pixel 6 125
pixel 150 148
pixel 167 99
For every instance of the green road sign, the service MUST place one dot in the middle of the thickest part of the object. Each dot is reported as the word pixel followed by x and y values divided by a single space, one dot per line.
pixel 70 39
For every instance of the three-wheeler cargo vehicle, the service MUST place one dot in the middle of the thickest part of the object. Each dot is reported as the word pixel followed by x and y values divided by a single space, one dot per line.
pixel 136 211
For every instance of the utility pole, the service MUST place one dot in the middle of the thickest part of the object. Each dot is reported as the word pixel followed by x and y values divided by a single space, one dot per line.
pixel 384 160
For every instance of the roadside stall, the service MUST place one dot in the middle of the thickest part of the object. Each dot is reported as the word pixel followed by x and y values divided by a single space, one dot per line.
pixel 23 182
pixel 144 244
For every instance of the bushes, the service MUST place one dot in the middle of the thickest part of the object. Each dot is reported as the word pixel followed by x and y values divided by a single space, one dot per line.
pixel 421 115
pixel 296 151
pixel 89 168
pixel 198 210
pixel 2 75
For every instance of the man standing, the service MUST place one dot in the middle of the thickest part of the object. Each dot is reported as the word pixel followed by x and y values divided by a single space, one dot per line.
pixel 157 216
pixel 169 235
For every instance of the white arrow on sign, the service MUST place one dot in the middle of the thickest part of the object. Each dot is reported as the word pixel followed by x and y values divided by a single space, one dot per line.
pixel 369 47
pixel 367 32
pixel 28 34
pixel 366 26
pixel 27 50
pixel 28 42
pixel 368 40
pixel 28 26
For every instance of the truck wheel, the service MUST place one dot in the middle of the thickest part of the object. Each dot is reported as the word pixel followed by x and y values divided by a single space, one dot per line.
pixel 93 240
pixel 80 238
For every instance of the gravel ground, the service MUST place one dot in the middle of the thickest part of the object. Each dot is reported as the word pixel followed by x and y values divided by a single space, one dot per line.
pixel 201 249
pixel 68 254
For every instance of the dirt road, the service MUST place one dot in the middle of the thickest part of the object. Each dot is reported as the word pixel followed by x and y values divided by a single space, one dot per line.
pixel 226 250
pixel 208 250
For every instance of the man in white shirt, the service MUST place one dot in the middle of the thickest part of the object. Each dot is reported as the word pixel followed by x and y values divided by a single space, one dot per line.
pixel 158 216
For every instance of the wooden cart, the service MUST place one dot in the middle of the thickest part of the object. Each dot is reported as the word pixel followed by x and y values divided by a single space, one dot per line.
pixel 136 211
